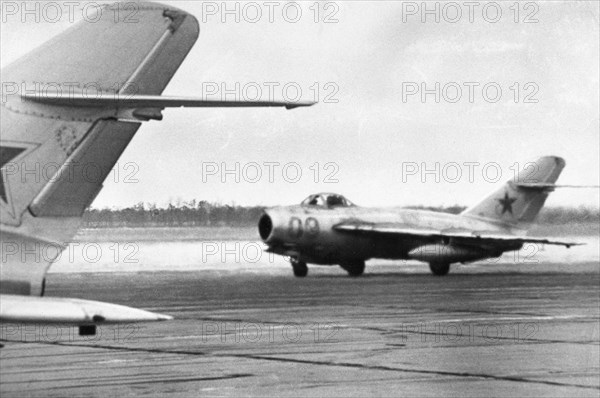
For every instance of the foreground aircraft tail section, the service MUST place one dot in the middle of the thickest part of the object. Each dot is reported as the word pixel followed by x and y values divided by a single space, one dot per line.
pixel 68 111
pixel 55 157
pixel 520 200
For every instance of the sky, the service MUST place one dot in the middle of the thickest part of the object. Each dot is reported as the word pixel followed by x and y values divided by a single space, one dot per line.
pixel 402 119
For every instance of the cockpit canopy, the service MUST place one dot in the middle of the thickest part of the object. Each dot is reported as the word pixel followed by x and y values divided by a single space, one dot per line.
pixel 327 200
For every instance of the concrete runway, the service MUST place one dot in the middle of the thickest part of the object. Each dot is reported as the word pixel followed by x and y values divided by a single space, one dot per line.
pixel 498 331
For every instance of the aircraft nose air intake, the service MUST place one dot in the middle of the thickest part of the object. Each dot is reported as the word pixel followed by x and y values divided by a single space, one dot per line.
pixel 265 227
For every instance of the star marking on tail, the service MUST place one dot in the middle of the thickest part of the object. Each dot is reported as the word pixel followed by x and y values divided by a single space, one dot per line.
pixel 7 155
pixel 507 203
pixel 11 156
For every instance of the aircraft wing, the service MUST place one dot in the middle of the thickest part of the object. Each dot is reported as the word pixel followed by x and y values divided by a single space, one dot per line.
pixel 459 236
pixel 70 311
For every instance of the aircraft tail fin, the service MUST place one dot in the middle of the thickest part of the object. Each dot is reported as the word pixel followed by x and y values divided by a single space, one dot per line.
pixel 520 200
pixel 55 156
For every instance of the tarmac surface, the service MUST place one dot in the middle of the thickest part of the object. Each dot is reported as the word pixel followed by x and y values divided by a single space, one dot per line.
pixel 496 330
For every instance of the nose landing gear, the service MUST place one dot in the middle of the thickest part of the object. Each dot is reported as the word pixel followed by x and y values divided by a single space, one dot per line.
pixel 300 268
pixel 354 268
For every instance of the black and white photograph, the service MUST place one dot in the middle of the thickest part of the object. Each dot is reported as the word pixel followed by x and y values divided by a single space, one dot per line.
pixel 304 198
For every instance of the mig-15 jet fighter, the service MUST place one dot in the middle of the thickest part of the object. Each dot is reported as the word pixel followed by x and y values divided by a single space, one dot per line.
pixel 328 229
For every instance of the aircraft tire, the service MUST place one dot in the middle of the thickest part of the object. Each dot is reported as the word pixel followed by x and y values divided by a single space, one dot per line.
pixel 355 268
pixel 439 269
pixel 300 268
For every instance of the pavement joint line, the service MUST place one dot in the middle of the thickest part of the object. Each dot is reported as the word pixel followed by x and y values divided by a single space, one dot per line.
pixel 334 364
pixel 420 371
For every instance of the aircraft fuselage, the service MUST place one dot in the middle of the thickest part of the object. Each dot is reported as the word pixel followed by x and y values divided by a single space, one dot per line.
pixel 308 233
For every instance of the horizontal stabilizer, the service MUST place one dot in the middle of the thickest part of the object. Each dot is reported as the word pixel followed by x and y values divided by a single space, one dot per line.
pixel 51 310
pixel 127 101
pixel 542 185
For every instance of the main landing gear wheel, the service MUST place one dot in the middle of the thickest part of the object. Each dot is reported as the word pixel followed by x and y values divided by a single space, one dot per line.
pixel 439 269
pixel 355 268
pixel 300 268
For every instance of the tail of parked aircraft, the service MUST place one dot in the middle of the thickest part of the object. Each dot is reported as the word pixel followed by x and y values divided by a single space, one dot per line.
pixel 55 157
pixel 520 200
pixel 68 111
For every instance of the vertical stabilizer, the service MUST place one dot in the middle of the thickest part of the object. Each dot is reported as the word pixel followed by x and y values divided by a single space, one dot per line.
pixel 519 201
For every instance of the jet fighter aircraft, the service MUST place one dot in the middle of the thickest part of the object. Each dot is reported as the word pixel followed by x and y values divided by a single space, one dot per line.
pixel 69 109
pixel 328 229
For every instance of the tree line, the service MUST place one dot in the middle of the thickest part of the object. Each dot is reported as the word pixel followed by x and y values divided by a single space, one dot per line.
pixel 205 214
